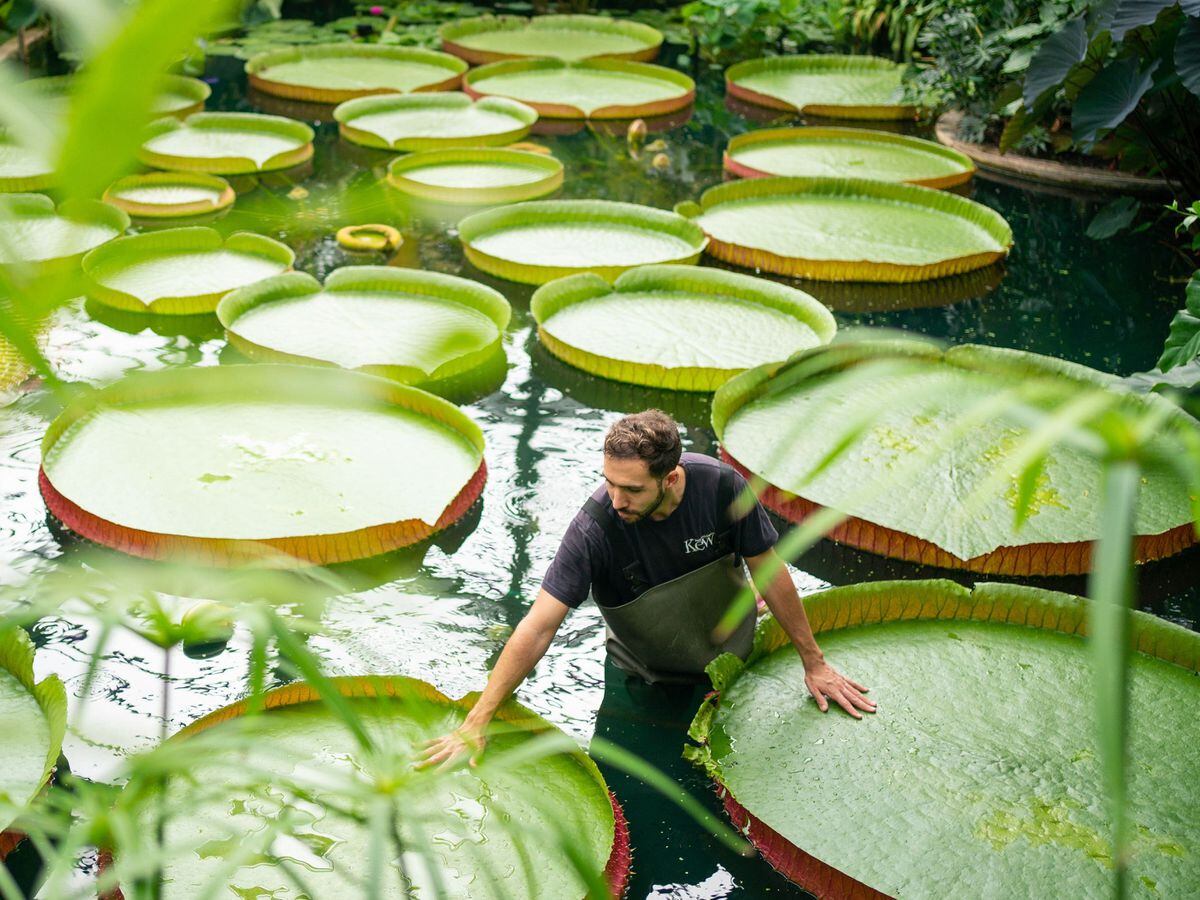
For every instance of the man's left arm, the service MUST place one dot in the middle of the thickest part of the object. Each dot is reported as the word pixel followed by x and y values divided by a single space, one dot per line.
pixel 822 679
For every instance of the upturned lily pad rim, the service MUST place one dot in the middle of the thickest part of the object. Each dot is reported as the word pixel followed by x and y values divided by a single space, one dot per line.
pixel 453 32
pixel 817 64
pixel 257 65
pixel 877 603
pixel 552 298
pixel 819 134
pixel 227 121
pixel 305 384
pixel 112 194
pixel 16 658
pixel 776 187
pixel 686 96
pixel 451 289
pixel 1068 558
pixel 347 113
pixel 549 168
pixel 90 212
pixel 189 239
pixel 39 181
pixel 194 89
pixel 567 212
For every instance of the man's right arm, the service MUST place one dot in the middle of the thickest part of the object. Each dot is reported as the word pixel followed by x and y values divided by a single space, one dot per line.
pixel 524 648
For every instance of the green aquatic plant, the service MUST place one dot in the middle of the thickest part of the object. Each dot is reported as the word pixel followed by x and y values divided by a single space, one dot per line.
pixel 567 37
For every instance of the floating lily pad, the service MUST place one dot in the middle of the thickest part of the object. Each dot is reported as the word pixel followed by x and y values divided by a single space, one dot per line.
pixel 476 175
pixel 35 719
pixel 482 829
pixel 1006 787
pixel 24 168
pixel 846 152
pixel 181 96
pixel 542 240
pixel 227 143
pixel 678 327
pixel 170 194
pixel 332 73
pixel 837 87
pixel 832 229
pixel 435 121
pixel 283 465
pixel 592 89
pixel 35 232
pixel 409 325
pixel 775 422
pixel 181 271
pixel 490 39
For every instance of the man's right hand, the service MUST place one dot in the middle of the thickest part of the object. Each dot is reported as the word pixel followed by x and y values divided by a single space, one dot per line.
pixel 448 751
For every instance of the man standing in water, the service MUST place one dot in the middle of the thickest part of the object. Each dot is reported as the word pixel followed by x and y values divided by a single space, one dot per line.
pixel 659 551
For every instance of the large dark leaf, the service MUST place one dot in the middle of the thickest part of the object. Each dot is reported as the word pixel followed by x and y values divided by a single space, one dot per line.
pixel 1187 55
pixel 1083 73
pixel 1054 59
pixel 1109 97
pixel 1130 14
pixel 1183 343
pixel 1113 218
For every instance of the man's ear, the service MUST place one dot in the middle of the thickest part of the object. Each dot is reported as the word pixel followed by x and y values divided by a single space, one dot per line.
pixel 672 477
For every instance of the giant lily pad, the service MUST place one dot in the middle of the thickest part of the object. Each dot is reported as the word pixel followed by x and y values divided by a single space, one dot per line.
pixel 842 152
pixel 35 232
pixel 476 175
pixel 24 168
pixel 412 326
pixel 180 95
pixel 837 87
pixel 678 327
pixel 542 240
pixel 593 89
pixel 490 39
pixel 227 143
pixel 1003 794
pixel 287 465
pixel 158 195
pixel 35 720
pixel 435 121
pixel 832 229
pixel 776 422
pixel 493 831
pixel 180 271
pixel 331 73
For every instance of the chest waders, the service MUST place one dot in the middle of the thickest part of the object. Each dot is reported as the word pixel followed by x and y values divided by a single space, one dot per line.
pixel 664 634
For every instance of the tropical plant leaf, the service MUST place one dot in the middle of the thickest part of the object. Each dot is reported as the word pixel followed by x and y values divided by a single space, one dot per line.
pixel 1057 55
pixel 1110 97
pixel 1183 343
pixel 1130 14
pixel 1113 218
pixel 570 38
pixel 1187 55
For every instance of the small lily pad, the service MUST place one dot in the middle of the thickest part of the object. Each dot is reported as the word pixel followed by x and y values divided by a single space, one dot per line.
pixel 170 194
pixel 333 73
pixel 227 143
pixel 434 121
pixel 476 175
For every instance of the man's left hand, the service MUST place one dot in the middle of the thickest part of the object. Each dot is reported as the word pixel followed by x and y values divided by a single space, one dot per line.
pixel 824 681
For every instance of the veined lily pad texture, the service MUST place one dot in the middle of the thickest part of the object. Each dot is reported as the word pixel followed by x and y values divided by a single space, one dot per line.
pixel 37 232
pixel 24 168
pixel 836 87
pixel 227 143
pixel 476 175
pixel 995 797
pixel 166 195
pixel 592 89
pixel 541 240
pixel 332 73
pixel 846 152
pixel 280 465
pixel 489 832
pixel 775 421
pixel 412 326
pixel 180 271
pixel 35 719
pixel 489 39
pixel 833 229
pixel 436 121
pixel 678 327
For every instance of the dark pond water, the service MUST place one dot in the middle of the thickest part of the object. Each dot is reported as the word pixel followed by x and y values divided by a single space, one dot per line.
pixel 443 615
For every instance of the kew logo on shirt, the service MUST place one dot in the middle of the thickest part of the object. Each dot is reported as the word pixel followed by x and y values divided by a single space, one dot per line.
pixel 693 545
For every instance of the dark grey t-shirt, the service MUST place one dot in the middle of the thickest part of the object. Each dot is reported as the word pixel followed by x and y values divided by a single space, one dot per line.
pixel 680 543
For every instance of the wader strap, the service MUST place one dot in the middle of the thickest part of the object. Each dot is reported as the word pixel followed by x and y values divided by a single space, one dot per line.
pixel 635 573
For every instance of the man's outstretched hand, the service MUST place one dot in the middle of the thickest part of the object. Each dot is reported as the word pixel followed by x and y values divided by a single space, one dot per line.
pixel 450 749
pixel 824 681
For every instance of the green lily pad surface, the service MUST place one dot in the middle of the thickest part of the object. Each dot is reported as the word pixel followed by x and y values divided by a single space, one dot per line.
pixel 602 88
pixel 476 175
pixel 181 270
pixel 24 168
pixel 227 143
pixel 182 96
pixel 35 231
pixel 988 758
pixel 407 324
pixel 570 38
pixel 846 152
pixel 777 425
pixel 433 121
pixel 336 72
pixel 488 830
pixel 539 241
pixel 852 87
pixel 680 327
pixel 170 194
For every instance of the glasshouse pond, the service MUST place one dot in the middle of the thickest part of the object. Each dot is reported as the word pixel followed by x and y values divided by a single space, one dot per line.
pixel 512 445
